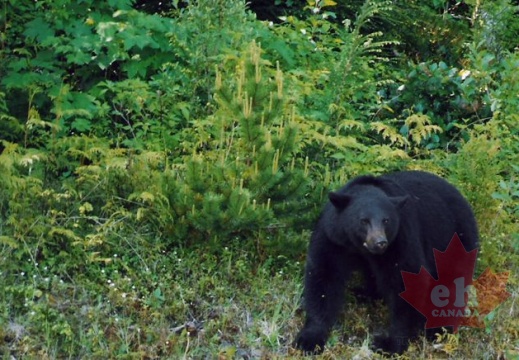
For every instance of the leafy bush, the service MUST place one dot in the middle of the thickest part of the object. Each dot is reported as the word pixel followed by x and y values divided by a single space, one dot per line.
pixel 453 99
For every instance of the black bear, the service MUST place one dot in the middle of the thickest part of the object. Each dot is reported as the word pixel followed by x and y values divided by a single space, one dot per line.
pixel 380 226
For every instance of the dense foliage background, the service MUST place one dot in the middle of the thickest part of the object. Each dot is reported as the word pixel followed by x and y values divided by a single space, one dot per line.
pixel 162 163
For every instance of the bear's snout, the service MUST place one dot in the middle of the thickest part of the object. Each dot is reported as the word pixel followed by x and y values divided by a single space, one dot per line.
pixel 376 243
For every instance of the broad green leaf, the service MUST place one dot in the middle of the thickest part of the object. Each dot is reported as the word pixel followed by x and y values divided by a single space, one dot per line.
pixel 121 4
pixel 81 125
pixel 38 29
pixel 329 3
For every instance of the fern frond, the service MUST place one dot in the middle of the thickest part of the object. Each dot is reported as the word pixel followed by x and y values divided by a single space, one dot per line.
pixel 420 127
pixel 389 132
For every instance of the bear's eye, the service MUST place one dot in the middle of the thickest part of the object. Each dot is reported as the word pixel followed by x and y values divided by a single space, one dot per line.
pixel 385 221
pixel 364 221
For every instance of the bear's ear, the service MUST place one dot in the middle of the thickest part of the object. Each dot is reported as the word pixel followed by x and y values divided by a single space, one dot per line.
pixel 399 201
pixel 340 201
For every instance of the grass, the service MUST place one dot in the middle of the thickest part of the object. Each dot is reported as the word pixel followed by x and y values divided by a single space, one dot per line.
pixel 192 303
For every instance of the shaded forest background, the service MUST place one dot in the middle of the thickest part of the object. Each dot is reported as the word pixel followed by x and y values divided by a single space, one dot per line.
pixel 162 163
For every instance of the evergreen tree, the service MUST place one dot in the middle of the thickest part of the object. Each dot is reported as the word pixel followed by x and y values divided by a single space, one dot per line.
pixel 246 170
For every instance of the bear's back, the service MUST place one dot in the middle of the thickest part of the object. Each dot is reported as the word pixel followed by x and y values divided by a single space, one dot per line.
pixel 427 188
pixel 441 208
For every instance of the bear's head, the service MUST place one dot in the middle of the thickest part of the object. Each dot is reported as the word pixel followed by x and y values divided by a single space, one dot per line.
pixel 369 218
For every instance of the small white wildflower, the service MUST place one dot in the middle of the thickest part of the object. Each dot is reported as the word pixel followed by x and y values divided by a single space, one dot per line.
pixel 316 10
pixel 464 74
pixel 401 88
pixel 303 31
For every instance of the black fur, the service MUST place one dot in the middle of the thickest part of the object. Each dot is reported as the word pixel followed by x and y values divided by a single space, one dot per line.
pixel 416 211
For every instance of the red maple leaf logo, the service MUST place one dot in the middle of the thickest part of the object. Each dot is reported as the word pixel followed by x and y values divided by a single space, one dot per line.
pixel 443 301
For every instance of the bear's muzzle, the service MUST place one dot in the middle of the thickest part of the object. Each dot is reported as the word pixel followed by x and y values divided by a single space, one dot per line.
pixel 376 242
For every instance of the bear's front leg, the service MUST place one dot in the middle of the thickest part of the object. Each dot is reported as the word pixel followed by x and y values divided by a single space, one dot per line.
pixel 312 337
pixel 406 324
pixel 325 279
